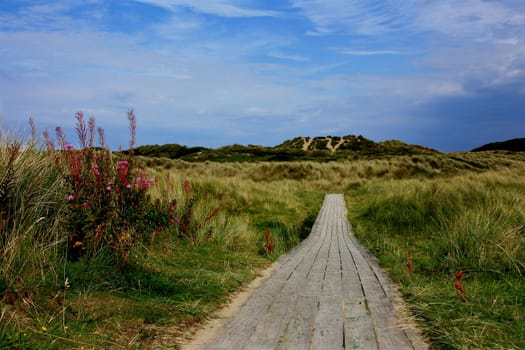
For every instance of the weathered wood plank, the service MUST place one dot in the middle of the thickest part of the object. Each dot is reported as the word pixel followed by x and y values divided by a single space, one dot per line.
pixel 328 293
pixel 298 334
pixel 358 326
pixel 399 313
pixel 389 333
pixel 328 329
pixel 273 323
pixel 241 327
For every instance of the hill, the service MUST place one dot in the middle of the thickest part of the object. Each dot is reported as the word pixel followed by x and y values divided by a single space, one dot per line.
pixel 300 148
pixel 516 145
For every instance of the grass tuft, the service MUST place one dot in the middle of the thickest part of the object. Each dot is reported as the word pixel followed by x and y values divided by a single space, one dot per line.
pixel 471 224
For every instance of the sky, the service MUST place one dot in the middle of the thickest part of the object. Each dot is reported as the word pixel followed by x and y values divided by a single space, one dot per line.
pixel 446 74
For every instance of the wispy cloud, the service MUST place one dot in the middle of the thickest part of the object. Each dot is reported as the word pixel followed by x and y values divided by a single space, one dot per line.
pixel 223 8
pixel 480 42
pixel 450 17
pixel 471 18
pixel 283 56
pixel 360 17
pixel 353 52
pixel 234 71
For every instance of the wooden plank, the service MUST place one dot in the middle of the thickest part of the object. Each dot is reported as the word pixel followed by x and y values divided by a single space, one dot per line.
pixel 328 293
pixel 266 334
pixel 243 325
pixel 328 329
pixel 398 312
pixel 298 334
pixel 271 326
pixel 389 334
pixel 328 332
pixel 358 325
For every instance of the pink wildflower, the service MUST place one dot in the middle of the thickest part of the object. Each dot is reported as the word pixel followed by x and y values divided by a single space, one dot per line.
pixel 108 188
pixel 128 186
pixel 96 170
pixel 85 205
pixel 122 169
pixel 70 197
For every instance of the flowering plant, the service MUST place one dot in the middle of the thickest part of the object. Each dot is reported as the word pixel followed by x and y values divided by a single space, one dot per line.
pixel 108 203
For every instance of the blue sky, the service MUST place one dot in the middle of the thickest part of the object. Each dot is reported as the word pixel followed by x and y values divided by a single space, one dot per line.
pixel 448 74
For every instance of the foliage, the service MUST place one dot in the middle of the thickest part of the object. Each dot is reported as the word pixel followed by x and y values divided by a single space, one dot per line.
pixel 108 202
pixel 465 237
pixel 318 149
pixel 220 222
pixel 515 145
pixel 31 204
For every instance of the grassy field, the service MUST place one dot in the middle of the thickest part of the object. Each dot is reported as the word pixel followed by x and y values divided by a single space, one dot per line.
pixel 469 223
pixel 455 212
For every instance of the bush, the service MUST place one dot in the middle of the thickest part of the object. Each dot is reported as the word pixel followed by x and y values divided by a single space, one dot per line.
pixel 108 206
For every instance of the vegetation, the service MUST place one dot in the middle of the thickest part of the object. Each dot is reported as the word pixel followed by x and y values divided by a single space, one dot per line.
pixel 515 145
pixel 143 262
pixel 467 224
pixel 108 205
pixel 201 230
pixel 298 149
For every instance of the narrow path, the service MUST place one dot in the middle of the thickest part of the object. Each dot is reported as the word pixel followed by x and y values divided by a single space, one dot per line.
pixel 327 293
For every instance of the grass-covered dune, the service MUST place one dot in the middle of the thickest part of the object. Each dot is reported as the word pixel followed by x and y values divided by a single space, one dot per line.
pixel 327 148
pixel 516 145
pixel 194 233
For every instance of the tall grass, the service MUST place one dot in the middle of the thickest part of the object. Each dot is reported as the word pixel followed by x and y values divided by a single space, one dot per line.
pixel 234 212
pixel 472 224
pixel 32 202
pixel 64 208
pixel 209 227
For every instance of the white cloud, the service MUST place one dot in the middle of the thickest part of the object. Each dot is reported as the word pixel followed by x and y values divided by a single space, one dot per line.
pixel 189 73
pixel 353 52
pixel 223 8
pixel 471 43
pixel 470 18
pixel 280 55
pixel 106 73
pixel 360 17
pixel 50 17
pixel 450 17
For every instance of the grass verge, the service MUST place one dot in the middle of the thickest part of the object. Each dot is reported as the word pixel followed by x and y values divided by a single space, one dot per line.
pixel 470 223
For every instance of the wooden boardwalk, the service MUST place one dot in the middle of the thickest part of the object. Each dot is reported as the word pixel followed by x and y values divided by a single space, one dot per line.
pixel 327 293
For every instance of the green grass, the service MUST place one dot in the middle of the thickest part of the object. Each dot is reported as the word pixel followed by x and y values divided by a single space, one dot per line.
pixel 473 223
pixel 453 212
pixel 168 283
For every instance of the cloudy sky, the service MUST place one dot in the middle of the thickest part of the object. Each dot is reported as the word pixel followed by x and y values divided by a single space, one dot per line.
pixel 448 74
